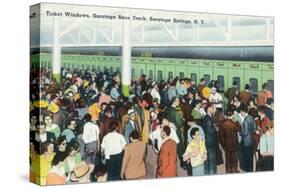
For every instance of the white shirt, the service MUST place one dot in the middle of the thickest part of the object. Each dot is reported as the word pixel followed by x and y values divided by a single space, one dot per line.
pixel 113 143
pixel 41 137
pixel 157 135
pixel 216 98
pixel 202 112
pixel 91 132
pixel 155 94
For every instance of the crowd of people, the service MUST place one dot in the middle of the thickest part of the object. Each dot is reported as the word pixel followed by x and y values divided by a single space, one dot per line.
pixel 84 129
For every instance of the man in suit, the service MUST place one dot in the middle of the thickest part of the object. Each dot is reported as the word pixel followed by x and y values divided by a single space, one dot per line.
pixel 133 166
pixel 247 141
pixel 131 125
pixel 211 140
pixel 175 116
pixel 167 159
pixel 229 141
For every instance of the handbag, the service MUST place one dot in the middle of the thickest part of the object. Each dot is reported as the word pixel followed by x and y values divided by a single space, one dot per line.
pixel 196 161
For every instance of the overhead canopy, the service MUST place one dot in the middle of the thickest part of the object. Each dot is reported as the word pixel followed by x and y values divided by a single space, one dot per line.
pixel 101 26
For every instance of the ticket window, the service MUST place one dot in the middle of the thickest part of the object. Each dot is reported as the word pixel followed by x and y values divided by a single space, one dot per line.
pixel 270 84
pixel 159 75
pixel 254 85
pixel 194 77
pixel 181 75
pixel 170 75
pixel 150 74
pixel 133 73
pixel 221 82
pixel 207 79
pixel 238 80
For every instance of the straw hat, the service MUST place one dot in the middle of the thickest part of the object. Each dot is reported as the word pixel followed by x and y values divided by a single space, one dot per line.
pixel 80 171
pixel 206 92
pixel 54 108
pixel 40 104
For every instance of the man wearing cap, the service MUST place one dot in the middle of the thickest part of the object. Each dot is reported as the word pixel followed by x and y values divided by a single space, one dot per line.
pixel 155 92
pixel 216 98
pixel 131 125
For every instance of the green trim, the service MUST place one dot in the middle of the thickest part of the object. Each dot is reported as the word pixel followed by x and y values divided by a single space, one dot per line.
pixel 126 90
pixel 57 77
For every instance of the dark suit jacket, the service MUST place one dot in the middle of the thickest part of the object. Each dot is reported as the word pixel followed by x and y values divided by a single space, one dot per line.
pixel 228 135
pixel 210 132
pixel 248 130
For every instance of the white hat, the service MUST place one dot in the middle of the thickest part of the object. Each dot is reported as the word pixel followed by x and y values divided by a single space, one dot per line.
pixel 213 89
pixel 68 75
pixel 131 111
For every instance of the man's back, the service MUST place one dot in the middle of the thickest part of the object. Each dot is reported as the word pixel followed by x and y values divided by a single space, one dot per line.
pixel 210 132
pixel 167 159
pixel 248 129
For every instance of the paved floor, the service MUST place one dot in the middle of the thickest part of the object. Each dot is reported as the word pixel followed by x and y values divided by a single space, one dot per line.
pixel 151 165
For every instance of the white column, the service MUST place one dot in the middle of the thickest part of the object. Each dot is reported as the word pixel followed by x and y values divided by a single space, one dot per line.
pixel 56 60
pixel 229 28
pixel 268 29
pixel 126 55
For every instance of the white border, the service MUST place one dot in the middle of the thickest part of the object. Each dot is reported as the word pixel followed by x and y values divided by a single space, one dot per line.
pixel 14 72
